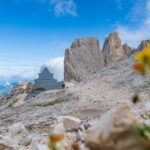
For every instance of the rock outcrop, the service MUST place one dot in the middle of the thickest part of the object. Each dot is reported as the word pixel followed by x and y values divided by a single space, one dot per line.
pixel 21 88
pixel 128 50
pixel 116 131
pixel 142 45
pixel 85 57
pixel 70 123
pixel 113 49
pixel 82 59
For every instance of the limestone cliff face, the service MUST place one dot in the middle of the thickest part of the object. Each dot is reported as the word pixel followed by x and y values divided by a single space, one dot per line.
pixel 113 49
pixel 82 59
pixel 85 57
pixel 128 50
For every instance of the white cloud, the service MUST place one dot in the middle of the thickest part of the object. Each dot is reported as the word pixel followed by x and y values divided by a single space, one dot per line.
pixel 140 32
pixel 56 66
pixel 60 7
pixel 137 12
pixel 18 75
pixel 21 70
pixel 12 70
pixel 64 7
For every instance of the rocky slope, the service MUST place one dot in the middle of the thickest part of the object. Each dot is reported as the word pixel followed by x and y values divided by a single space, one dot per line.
pixel 112 86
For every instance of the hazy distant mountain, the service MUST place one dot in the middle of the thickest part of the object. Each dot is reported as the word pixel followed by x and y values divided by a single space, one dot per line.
pixel 4 88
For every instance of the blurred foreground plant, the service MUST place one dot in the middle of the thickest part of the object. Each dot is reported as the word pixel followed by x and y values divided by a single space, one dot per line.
pixel 142 58
pixel 55 141
pixel 142 66
pixel 143 132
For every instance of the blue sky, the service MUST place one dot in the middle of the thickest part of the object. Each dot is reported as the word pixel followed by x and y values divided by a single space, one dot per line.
pixel 37 32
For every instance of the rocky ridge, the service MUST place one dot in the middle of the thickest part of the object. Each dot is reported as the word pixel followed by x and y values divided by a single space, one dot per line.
pixel 142 45
pixel 85 56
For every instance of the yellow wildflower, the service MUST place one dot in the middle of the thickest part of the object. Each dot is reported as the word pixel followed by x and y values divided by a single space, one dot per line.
pixel 138 67
pixel 56 138
pixel 144 55
pixel 143 60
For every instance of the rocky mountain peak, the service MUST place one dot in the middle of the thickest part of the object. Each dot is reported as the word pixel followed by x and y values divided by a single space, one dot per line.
pixel 128 50
pixel 112 40
pixel 142 45
pixel 85 57
pixel 113 50
pixel 82 59
pixel 85 42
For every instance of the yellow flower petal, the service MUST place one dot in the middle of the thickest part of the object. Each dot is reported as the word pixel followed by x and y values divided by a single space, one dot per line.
pixel 138 67
pixel 144 55
pixel 56 138
pixel 148 45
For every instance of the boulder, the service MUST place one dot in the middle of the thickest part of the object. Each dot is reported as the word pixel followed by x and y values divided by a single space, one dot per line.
pixel 20 134
pixel 82 59
pixel 113 50
pixel 115 131
pixel 70 123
